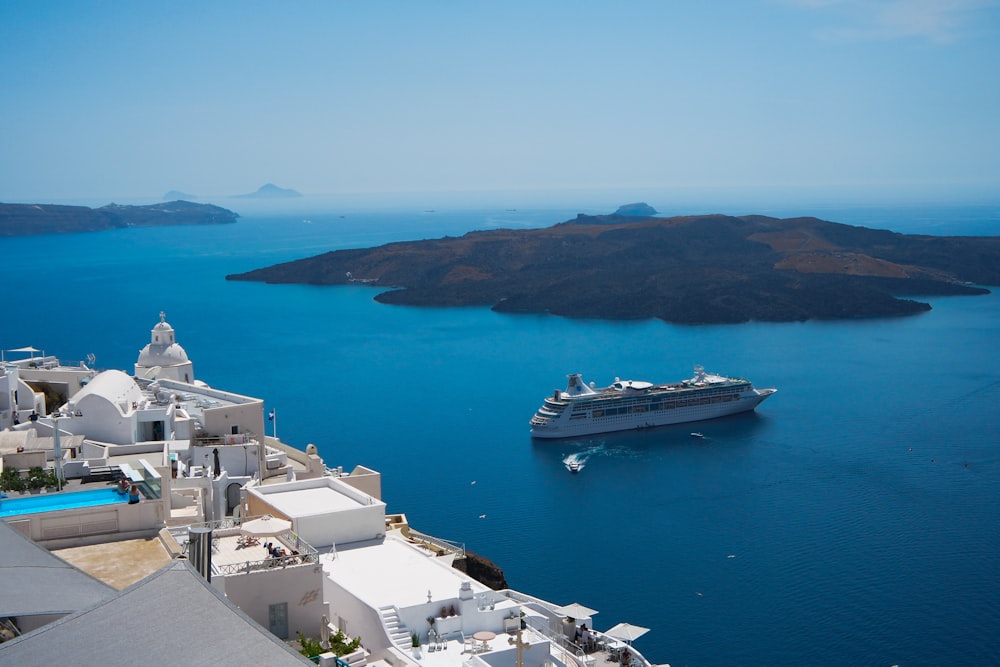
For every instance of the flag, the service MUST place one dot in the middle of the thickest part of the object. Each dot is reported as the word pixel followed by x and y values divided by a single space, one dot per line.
pixel 270 416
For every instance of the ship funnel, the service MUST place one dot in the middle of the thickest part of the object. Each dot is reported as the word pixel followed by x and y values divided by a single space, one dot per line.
pixel 576 386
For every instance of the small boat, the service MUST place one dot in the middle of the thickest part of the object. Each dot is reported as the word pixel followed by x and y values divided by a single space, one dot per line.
pixel 574 462
pixel 697 434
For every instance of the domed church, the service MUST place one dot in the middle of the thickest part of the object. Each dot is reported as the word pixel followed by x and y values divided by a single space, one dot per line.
pixel 163 357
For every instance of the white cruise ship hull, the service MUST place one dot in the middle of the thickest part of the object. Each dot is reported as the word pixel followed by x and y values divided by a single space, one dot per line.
pixel 625 406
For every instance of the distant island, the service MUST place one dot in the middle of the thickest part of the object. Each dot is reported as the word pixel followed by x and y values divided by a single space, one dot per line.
pixel 33 219
pixel 640 208
pixel 686 269
pixel 270 191
pixel 174 195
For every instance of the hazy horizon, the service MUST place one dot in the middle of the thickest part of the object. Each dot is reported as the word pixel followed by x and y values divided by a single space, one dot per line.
pixel 876 100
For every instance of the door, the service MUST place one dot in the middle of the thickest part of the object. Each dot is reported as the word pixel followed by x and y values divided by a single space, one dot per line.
pixel 232 497
pixel 277 619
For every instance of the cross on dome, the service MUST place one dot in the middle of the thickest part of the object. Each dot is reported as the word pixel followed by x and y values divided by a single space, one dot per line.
pixel 163 357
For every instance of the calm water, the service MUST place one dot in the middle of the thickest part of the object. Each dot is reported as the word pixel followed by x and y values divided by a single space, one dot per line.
pixel 852 520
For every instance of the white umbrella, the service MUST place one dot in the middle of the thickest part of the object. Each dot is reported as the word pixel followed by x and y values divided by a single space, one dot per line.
pixel 626 631
pixel 576 610
pixel 265 526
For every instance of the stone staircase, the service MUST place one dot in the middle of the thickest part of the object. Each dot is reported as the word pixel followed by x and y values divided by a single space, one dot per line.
pixel 357 659
pixel 398 633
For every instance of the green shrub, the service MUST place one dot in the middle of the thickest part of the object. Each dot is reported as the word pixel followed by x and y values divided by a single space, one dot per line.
pixel 10 480
pixel 37 478
pixel 341 644
pixel 310 647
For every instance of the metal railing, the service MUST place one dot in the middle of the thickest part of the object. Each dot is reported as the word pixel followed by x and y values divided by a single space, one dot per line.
pixel 223 524
pixel 457 548
pixel 229 526
pixel 578 653
pixel 266 563
pixel 226 440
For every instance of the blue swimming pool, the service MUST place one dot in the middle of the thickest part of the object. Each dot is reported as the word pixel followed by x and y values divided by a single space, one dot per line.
pixel 49 502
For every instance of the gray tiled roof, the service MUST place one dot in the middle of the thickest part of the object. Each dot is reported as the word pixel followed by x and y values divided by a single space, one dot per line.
pixel 171 617
pixel 38 582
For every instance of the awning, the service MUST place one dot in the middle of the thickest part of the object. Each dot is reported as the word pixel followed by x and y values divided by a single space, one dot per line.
pixel 576 610
pixel 626 631
pixel 266 526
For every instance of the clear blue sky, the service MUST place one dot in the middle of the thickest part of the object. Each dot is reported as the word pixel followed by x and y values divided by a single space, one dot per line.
pixel 132 99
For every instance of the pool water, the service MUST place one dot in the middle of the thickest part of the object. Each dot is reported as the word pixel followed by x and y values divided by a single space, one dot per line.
pixel 49 502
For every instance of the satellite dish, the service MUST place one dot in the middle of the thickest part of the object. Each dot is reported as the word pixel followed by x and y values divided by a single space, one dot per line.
pixel 152 372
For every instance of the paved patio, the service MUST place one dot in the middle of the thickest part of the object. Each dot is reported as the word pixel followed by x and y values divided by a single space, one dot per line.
pixel 118 564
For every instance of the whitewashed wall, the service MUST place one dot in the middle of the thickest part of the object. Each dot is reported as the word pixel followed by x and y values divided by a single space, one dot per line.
pixel 300 586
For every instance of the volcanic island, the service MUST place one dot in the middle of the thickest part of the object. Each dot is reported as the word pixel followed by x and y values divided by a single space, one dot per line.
pixel 692 269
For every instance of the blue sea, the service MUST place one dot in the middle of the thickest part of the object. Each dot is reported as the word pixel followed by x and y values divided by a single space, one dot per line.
pixel 854 519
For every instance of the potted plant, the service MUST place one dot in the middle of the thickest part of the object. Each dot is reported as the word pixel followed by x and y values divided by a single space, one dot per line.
pixel 10 480
pixel 432 634
pixel 415 643
pixel 51 481
pixel 36 479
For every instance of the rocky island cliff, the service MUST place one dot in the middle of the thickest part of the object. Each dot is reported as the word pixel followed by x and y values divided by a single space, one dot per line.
pixel 33 219
pixel 685 269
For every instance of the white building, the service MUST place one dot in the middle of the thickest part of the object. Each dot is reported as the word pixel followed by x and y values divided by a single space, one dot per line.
pixel 17 399
pixel 163 357
pixel 344 565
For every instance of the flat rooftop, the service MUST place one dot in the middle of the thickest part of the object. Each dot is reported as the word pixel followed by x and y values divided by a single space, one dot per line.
pixel 297 502
pixel 118 564
pixel 395 573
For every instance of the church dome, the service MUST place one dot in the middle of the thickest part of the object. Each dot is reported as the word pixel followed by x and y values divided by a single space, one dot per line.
pixel 164 355
pixel 170 355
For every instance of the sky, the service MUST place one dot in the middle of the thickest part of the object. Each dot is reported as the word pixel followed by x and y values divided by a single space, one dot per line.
pixel 133 99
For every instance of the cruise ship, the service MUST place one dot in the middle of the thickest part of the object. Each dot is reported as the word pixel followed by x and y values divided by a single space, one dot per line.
pixel 584 409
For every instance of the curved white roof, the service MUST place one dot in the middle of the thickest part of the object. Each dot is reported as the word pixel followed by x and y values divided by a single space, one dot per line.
pixel 113 386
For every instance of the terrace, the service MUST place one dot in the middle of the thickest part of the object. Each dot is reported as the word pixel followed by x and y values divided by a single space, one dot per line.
pixel 535 644
pixel 234 551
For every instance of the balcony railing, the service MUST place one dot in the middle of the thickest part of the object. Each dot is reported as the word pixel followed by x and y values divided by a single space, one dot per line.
pixel 229 527
pixel 266 563
pixel 456 548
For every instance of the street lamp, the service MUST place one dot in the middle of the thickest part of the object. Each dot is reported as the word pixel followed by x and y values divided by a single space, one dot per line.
pixel 57 450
